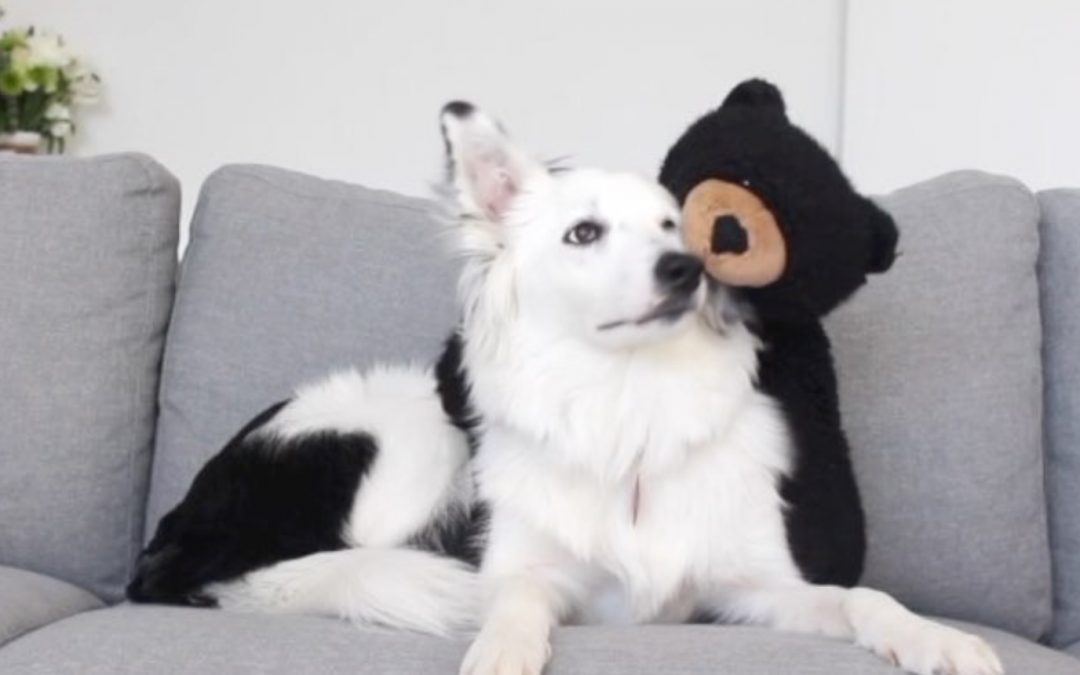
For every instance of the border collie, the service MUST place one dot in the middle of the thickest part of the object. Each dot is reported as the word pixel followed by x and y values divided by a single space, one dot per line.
pixel 590 447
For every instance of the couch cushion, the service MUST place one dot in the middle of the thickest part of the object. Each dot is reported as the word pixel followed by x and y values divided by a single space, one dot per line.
pixel 1059 274
pixel 285 278
pixel 87 266
pixel 29 600
pixel 166 641
pixel 941 392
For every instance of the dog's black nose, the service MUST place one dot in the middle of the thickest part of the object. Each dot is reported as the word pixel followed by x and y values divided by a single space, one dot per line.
pixel 679 272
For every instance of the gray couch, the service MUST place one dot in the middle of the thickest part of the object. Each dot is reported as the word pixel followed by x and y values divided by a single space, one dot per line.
pixel 120 375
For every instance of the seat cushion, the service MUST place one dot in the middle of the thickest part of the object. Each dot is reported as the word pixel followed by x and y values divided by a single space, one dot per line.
pixel 166 641
pixel 87 269
pixel 941 393
pixel 29 600
pixel 1059 276
pixel 287 277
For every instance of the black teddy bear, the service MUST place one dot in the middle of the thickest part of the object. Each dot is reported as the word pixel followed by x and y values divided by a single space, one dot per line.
pixel 780 227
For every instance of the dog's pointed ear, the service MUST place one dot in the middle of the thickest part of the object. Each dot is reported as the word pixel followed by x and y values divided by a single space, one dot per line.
pixel 484 167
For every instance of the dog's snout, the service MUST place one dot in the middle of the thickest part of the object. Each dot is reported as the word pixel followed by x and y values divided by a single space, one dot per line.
pixel 679 272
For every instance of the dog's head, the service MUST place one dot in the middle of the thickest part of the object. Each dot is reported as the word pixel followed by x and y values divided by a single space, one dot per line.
pixel 588 254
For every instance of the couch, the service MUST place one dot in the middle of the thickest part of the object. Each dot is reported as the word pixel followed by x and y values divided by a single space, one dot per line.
pixel 122 371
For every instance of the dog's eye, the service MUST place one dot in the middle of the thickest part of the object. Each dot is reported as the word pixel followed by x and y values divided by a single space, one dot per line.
pixel 668 225
pixel 584 233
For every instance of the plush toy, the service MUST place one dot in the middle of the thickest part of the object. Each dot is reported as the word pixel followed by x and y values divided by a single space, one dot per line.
pixel 785 239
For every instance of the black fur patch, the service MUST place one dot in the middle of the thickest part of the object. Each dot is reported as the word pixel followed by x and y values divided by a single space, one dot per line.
pixel 258 501
pixel 461 534
pixel 454 389
pixel 458 533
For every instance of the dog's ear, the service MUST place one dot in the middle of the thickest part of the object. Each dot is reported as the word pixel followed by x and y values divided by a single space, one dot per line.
pixel 485 169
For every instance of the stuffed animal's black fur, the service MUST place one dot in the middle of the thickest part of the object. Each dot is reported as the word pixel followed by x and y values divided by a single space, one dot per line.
pixel 834 238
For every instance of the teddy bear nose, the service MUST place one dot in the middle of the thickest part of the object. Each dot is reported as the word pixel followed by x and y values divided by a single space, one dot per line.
pixel 679 272
pixel 728 235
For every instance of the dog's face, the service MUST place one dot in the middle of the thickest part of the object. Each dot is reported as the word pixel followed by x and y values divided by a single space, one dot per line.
pixel 591 254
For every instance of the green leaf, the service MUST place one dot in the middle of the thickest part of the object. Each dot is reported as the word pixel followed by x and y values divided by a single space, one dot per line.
pixel 11 83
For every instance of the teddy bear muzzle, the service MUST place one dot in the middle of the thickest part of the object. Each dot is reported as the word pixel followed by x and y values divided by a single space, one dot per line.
pixel 731 230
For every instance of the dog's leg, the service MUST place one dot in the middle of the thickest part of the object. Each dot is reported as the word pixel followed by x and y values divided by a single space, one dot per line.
pixel 515 637
pixel 532 584
pixel 872 619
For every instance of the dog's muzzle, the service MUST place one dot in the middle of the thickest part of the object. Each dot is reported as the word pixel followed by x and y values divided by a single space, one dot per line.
pixel 678 273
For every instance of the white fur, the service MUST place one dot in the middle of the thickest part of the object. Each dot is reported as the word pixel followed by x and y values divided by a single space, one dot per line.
pixel 394 587
pixel 578 420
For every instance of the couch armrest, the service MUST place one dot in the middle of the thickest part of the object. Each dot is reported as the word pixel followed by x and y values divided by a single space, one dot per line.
pixel 29 600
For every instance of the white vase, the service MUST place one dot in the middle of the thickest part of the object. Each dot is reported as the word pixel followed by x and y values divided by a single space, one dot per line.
pixel 21 142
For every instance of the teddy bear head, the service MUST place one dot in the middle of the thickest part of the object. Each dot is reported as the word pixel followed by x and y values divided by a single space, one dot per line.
pixel 769 210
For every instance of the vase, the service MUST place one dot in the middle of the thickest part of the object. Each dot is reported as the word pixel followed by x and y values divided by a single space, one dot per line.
pixel 21 142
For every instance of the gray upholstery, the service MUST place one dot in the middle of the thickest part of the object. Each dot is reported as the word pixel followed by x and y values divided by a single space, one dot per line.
pixel 941 391
pixel 286 278
pixel 168 641
pixel 1059 272
pixel 29 601
pixel 1074 649
pixel 87 265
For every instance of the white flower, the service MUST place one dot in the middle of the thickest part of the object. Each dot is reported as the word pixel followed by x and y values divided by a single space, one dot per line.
pixel 58 112
pixel 46 49
pixel 21 58
pixel 60 129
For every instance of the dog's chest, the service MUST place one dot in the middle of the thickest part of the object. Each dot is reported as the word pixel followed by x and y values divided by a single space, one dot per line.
pixel 660 471
pixel 713 516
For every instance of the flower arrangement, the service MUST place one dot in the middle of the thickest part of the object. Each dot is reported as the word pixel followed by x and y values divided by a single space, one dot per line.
pixel 41 83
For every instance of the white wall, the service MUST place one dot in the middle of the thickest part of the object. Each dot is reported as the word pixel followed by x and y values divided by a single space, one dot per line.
pixel 937 85
pixel 351 90
pixel 901 89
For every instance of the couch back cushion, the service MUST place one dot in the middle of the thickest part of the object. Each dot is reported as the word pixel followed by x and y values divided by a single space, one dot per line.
pixel 287 277
pixel 1059 277
pixel 941 389
pixel 87 268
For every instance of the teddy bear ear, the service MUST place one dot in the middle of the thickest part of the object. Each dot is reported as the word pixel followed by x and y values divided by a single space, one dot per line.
pixel 883 239
pixel 756 93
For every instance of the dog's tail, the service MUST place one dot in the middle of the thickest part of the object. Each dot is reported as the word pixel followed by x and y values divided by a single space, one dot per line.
pixel 392 587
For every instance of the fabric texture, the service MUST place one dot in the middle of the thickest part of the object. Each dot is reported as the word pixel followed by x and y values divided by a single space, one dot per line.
pixel 171 641
pixel 1059 277
pixel 285 279
pixel 941 395
pixel 29 600
pixel 87 268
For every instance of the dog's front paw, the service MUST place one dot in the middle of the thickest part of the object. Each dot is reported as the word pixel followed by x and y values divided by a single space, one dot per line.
pixel 505 652
pixel 930 648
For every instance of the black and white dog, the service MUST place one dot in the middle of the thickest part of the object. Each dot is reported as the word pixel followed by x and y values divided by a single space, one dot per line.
pixel 591 447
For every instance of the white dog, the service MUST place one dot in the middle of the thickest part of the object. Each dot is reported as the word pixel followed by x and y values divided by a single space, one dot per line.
pixel 592 438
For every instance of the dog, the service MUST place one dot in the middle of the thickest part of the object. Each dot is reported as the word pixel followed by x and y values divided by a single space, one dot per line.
pixel 590 447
